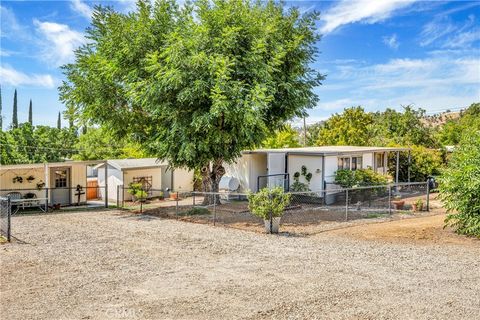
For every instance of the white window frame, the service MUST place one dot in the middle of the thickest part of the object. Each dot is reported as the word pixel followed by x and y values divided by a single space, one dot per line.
pixel 341 159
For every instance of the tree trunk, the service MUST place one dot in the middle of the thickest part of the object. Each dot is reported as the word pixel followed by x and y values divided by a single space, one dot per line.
pixel 212 173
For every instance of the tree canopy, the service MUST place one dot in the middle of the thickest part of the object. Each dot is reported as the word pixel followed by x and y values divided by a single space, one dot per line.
pixel 196 85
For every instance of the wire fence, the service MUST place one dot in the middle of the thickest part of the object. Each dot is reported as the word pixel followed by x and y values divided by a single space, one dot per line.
pixel 5 218
pixel 45 199
pixel 311 207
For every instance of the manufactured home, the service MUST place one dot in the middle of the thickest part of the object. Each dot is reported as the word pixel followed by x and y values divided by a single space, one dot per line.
pixel 260 168
pixel 155 175
pixel 62 183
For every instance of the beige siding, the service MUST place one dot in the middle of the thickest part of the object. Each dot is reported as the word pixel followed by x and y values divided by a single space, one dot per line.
pixel 182 180
pixel 128 175
pixel 6 181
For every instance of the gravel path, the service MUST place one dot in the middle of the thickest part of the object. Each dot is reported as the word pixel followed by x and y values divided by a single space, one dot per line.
pixel 112 265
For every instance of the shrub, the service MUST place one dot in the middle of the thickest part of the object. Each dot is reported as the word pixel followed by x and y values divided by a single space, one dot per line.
pixel 136 190
pixel 459 187
pixel 268 201
pixel 362 177
pixel 196 212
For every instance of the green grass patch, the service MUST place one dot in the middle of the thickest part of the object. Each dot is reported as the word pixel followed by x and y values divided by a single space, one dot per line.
pixel 195 212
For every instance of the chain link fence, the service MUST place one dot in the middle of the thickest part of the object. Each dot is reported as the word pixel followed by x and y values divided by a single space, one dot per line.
pixel 5 217
pixel 306 208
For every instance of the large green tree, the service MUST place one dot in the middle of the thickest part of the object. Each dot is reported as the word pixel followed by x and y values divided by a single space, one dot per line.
pixel 15 111
pixel 352 127
pixel 30 113
pixel 196 84
pixel 287 137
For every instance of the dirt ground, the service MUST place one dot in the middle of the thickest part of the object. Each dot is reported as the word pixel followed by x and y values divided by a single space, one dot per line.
pixel 117 265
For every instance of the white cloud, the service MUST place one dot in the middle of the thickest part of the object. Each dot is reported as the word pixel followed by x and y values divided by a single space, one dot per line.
pixel 391 41
pixel 447 34
pixel 16 78
pixel 58 42
pixel 9 25
pixel 365 11
pixel 81 8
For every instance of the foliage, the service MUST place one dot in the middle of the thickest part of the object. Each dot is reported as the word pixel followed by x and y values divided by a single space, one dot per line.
pixel 352 127
pixel 136 190
pixel 459 186
pixel 195 84
pixel 15 111
pixel 30 113
pixel 313 131
pixel 451 131
pixel 29 144
pixel 98 143
pixel 195 212
pixel 402 128
pixel 361 177
pixel 268 201
pixel 299 186
pixel 284 138
pixel 424 163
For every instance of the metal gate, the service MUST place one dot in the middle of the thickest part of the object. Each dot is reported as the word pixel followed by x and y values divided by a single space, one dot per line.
pixel 5 214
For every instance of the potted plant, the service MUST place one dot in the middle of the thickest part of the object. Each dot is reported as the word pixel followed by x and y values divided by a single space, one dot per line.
pixel 269 204
pixel 136 190
pixel 417 205
pixel 398 203
pixel 30 179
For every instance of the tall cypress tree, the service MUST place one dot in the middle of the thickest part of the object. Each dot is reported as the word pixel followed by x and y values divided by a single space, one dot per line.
pixel 15 116
pixel 59 121
pixel 30 116
pixel 1 117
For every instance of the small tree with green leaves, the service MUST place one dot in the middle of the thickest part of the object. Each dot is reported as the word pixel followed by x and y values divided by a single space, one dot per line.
pixel 459 186
pixel 268 201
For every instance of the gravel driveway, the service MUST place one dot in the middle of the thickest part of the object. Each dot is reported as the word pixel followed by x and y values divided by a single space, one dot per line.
pixel 113 265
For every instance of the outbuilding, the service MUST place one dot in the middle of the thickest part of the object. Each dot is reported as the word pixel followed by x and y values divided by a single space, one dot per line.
pixel 156 177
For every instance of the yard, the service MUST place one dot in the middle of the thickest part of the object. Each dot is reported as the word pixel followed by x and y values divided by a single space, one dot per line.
pixel 116 265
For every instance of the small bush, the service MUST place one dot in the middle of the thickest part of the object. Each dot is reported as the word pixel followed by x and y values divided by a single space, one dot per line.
pixel 268 201
pixel 196 212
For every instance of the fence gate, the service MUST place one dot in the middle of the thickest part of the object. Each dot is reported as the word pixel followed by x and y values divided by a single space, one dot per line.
pixel 5 213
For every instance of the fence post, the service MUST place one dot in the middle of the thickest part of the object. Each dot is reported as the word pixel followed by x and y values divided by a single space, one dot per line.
pixel 118 196
pixel 193 199
pixel 346 205
pixel 389 199
pixel 46 201
pixel 428 196
pixel 214 209
pixel 176 205
pixel 9 220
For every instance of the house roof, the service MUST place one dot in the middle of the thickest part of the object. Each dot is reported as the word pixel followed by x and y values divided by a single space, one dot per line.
pixel 48 164
pixel 125 164
pixel 327 150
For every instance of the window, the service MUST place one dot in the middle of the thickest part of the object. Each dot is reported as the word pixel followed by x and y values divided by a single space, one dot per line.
pixel 357 163
pixel 344 163
pixel 60 178
pixel 379 160
pixel 350 163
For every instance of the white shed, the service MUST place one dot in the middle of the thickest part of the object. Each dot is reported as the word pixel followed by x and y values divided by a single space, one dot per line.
pixel 154 173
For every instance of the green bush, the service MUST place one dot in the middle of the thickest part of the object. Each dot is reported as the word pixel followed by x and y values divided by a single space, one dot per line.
pixel 356 178
pixel 136 190
pixel 195 212
pixel 268 201
pixel 459 187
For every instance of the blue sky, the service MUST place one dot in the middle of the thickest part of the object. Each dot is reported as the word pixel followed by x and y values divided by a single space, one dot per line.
pixel 376 53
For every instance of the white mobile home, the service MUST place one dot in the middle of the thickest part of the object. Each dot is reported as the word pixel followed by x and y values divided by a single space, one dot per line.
pixel 256 169
pixel 56 182
pixel 147 170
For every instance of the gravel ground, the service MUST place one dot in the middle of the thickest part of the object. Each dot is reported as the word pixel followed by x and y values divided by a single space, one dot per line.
pixel 113 265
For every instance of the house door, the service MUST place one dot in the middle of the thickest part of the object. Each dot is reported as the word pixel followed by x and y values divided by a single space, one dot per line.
pixel 60 186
